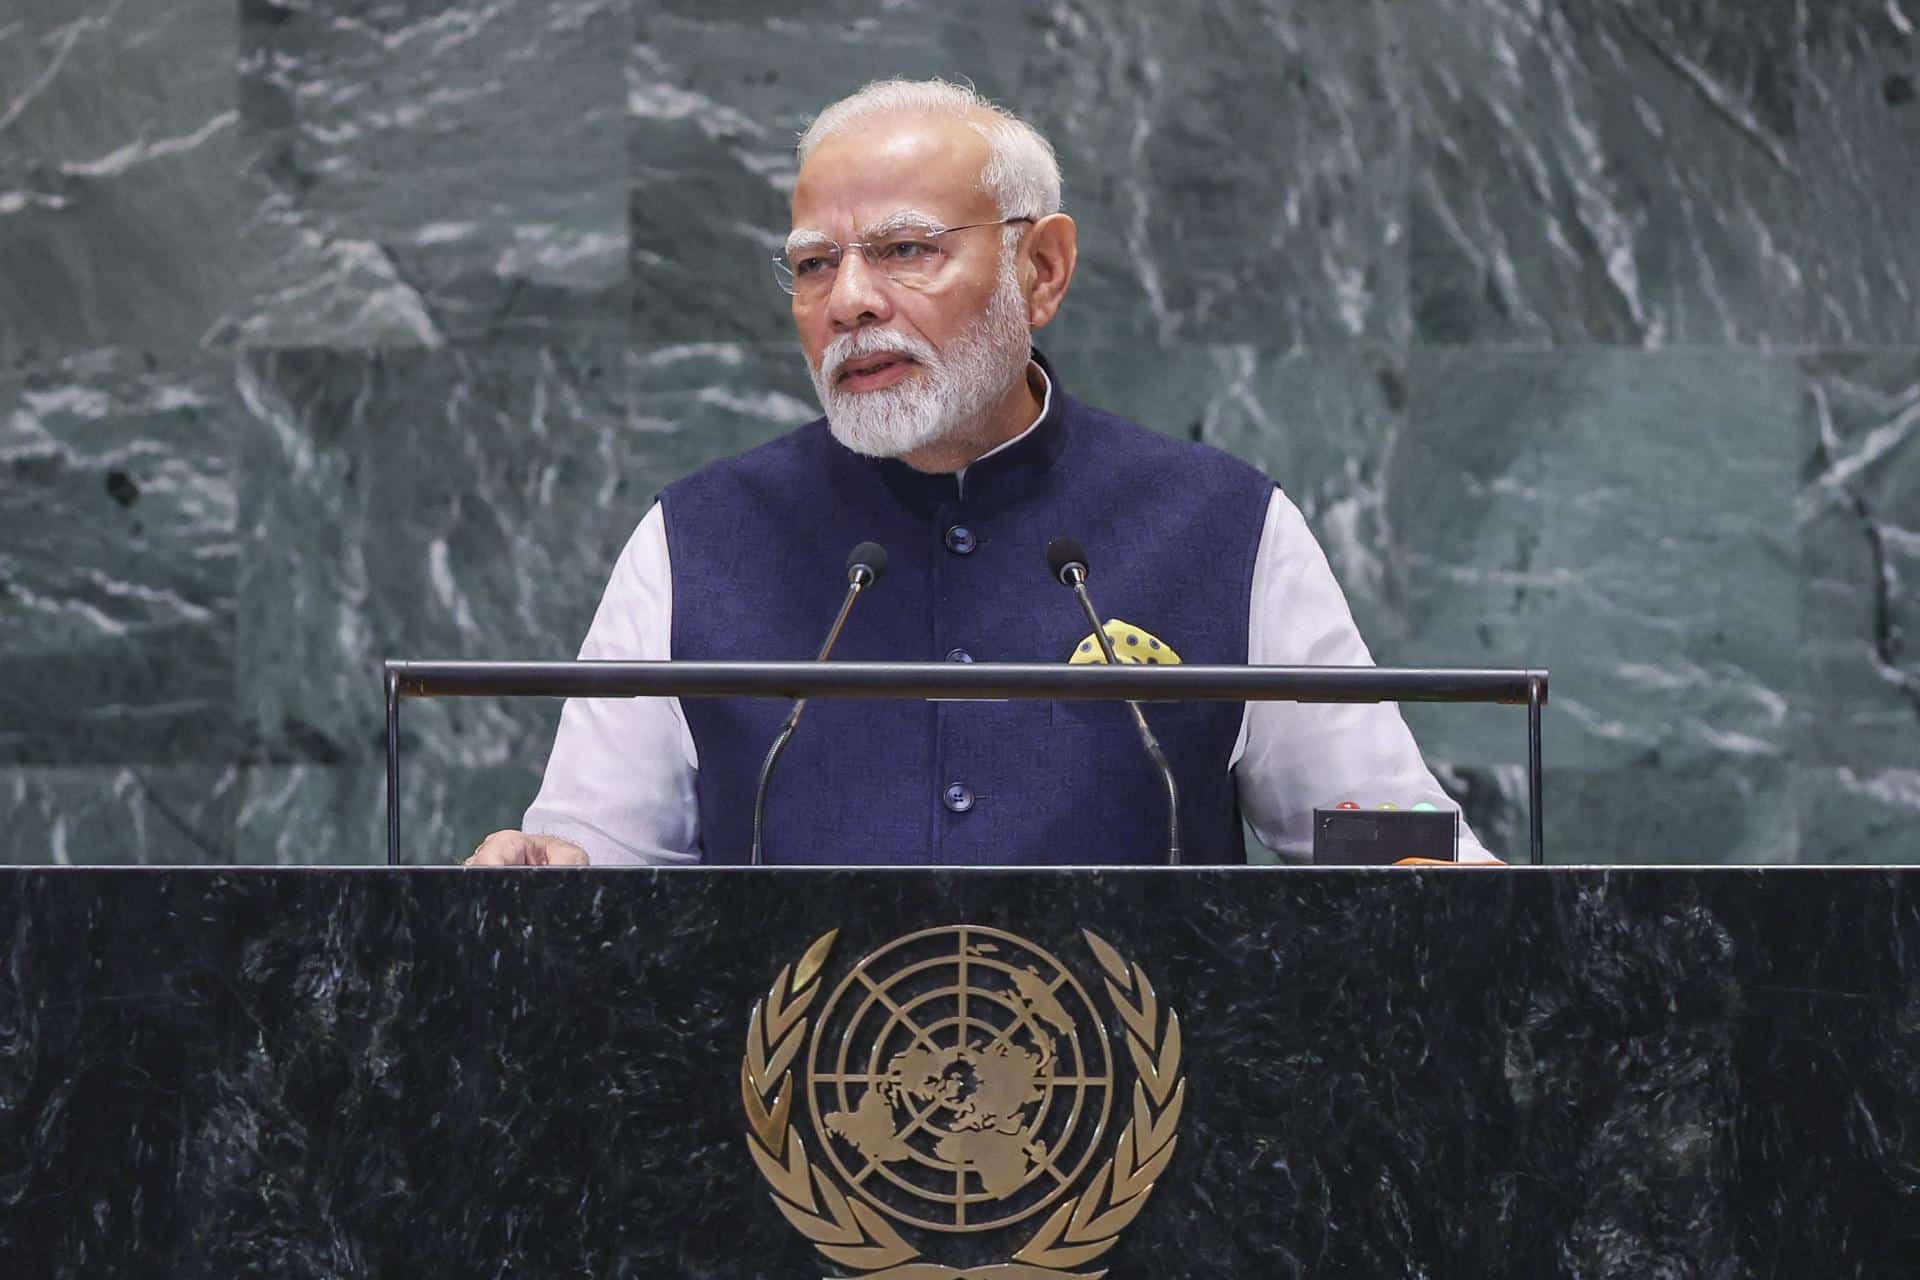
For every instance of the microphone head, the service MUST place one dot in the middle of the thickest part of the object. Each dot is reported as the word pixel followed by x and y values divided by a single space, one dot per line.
pixel 870 556
pixel 1062 553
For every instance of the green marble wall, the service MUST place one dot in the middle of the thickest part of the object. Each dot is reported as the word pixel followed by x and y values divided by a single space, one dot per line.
pixel 1587 336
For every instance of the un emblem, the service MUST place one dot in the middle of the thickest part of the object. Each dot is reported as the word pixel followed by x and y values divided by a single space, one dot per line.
pixel 960 1082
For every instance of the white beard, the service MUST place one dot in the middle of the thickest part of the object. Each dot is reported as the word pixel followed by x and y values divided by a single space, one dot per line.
pixel 954 388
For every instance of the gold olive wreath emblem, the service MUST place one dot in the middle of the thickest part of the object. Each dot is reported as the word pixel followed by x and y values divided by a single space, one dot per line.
pixel 973 1104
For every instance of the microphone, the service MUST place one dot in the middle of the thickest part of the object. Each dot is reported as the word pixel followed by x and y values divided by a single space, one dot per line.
pixel 1067 561
pixel 865 564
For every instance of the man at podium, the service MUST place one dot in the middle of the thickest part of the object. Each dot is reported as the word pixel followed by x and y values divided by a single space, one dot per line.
pixel 927 243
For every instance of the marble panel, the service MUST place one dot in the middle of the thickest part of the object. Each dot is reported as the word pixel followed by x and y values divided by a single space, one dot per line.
pixel 94 815
pixel 1622 173
pixel 436 171
pixel 336 815
pixel 1687 813
pixel 453 504
pixel 487 532
pixel 1858 513
pixel 1869 813
pixel 1859 153
pixel 1388 1073
pixel 696 402
pixel 117 572
pixel 1623 519
pixel 120 186
pixel 1237 169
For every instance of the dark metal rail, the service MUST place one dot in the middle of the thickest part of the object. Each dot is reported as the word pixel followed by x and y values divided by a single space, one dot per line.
pixel 961 682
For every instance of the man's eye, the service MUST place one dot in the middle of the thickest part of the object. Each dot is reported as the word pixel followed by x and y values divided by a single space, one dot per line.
pixel 904 251
pixel 809 264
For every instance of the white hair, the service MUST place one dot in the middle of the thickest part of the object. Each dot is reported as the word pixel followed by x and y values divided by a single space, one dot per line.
pixel 1022 174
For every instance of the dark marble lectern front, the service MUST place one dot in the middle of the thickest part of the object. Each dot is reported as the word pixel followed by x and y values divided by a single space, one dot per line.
pixel 307 1073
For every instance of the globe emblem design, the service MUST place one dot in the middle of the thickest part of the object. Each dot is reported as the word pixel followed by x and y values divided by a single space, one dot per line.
pixel 959 1079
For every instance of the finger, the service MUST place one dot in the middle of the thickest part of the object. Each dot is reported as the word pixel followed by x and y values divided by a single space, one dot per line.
pixel 501 849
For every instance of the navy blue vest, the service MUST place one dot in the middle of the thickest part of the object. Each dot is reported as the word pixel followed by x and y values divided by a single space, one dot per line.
pixel 759 544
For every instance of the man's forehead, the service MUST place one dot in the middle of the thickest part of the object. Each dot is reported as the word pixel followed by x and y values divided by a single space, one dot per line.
pixel 858 179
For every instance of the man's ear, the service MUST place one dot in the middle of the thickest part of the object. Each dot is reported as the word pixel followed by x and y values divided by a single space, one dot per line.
pixel 1048 255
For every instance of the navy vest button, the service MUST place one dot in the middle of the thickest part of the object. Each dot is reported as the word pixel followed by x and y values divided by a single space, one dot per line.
pixel 959 655
pixel 958 797
pixel 960 540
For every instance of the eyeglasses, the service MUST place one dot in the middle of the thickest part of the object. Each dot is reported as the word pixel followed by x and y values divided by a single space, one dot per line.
pixel 911 257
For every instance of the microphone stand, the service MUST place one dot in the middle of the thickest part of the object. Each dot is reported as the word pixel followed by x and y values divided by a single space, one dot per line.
pixel 1074 575
pixel 859 577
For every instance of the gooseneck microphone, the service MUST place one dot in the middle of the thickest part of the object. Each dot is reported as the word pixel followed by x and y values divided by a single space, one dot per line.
pixel 1068 563
pixel 865 564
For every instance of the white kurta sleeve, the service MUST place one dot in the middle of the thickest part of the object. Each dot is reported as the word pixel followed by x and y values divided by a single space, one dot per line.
pixel 619 782
pixel 1296 755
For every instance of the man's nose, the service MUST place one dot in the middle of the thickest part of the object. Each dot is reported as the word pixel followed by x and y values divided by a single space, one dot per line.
pixel 859 293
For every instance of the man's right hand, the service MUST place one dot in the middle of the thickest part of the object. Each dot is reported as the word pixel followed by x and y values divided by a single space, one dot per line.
pixel 523 849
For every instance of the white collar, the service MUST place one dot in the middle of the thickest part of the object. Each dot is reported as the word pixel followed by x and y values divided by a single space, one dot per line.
pixel 1046 402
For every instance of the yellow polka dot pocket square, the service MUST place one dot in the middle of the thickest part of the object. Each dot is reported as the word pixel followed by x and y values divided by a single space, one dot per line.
pixel 1130 644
